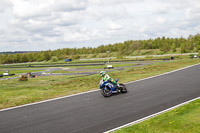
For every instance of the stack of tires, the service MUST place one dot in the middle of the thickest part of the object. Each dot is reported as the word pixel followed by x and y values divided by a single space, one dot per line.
pixel 23 78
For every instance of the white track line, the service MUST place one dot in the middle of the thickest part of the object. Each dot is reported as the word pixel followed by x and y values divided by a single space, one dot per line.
pixel 150 116
pixel 90 91
pixel 47 100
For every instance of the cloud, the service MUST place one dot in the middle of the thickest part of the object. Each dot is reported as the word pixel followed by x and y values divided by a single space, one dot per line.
pixel 113 26
pixel 38 8
pixel 4 4
pixel 52 24
pixel 70 5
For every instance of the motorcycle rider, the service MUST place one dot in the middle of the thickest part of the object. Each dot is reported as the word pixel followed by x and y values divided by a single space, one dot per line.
pixel 106 77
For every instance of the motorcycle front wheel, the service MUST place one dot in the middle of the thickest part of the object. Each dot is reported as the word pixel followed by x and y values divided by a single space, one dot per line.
pixel 106 92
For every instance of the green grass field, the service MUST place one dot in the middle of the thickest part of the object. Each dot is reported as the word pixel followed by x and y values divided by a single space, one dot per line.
pixel 184 119
pixel 14 92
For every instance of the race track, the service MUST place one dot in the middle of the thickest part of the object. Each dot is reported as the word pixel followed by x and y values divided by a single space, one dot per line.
pixel 92 113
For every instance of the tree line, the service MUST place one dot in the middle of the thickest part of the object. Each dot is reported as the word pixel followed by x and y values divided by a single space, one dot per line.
pixel 189 44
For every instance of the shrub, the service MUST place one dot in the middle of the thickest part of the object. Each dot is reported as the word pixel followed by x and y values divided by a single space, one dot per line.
pixel 54 59
pixel 76 57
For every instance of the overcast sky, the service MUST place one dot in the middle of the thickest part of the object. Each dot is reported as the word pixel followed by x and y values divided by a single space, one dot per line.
pixel 53 24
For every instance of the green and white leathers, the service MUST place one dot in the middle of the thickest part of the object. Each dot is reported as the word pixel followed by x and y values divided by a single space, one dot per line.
pixel 106 77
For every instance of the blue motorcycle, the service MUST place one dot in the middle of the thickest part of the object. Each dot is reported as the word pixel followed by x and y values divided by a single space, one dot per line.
pixel 108 88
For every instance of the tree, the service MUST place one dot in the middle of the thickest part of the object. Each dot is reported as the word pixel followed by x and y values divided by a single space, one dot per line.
pixel 23 58
pixel 183 48
pixel 126 48
pixel 47 55
pixel 1 61
pixel 173 47
pixel 17 58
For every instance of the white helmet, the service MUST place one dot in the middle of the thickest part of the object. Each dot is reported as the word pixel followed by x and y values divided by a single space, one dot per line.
pixel 102 73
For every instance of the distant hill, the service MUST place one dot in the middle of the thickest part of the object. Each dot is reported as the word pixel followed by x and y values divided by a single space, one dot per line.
pixel 18 52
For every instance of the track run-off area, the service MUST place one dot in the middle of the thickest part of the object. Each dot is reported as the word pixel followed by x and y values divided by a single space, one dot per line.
pixel 91 112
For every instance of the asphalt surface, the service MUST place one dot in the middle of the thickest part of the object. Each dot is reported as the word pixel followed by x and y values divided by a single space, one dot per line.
pixel 92 113
pixel 48 71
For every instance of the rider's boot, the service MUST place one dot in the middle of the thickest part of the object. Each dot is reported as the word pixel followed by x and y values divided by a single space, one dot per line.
pixel 116 84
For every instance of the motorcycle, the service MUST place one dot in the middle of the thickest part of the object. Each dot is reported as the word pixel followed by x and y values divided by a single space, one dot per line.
pixel 108 88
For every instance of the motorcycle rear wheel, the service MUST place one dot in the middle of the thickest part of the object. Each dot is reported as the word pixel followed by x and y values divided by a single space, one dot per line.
pixel 123 88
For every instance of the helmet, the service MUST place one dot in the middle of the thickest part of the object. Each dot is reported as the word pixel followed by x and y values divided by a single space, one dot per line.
pixel 102 73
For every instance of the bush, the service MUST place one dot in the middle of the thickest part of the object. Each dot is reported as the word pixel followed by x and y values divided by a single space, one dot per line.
pixel 94 55
pixel 54 59
pixel 76 57
pixel 119 56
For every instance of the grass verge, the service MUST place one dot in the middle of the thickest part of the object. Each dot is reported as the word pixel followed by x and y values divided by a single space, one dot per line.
pixel 15 92
pixel 184 119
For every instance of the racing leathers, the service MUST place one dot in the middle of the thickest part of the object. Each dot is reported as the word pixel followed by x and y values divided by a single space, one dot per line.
pixel 106 77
